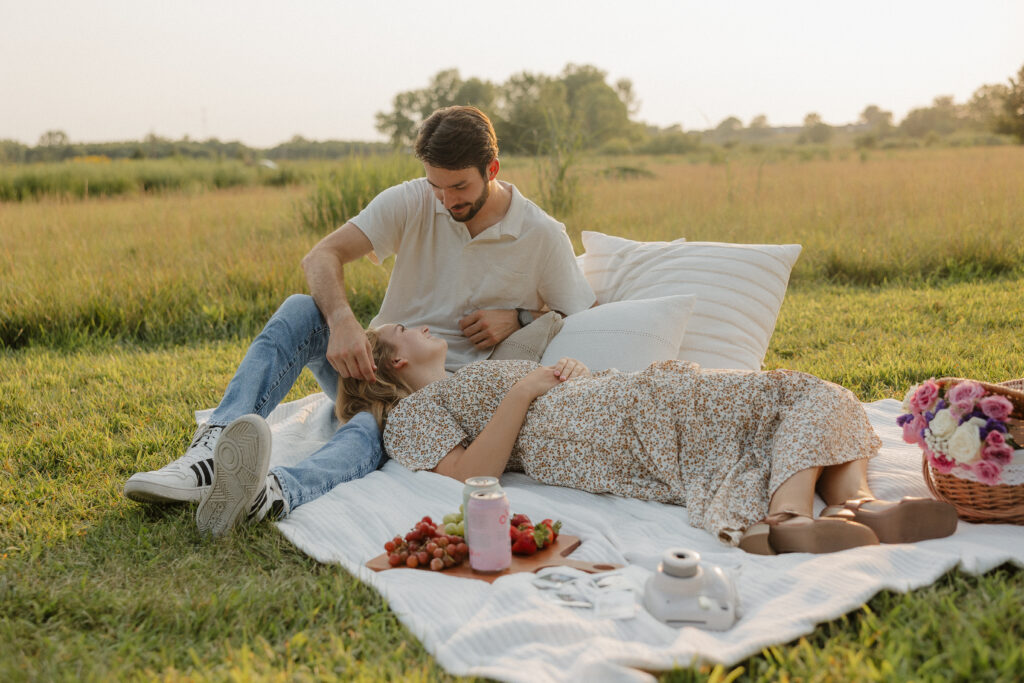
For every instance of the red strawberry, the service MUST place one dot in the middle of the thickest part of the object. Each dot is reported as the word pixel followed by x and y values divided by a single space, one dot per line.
pixel 553 528
pixel 519 520
pixel 542 535
pixel 525 544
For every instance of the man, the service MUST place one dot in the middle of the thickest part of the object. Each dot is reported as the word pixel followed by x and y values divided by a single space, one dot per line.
pixel 475 261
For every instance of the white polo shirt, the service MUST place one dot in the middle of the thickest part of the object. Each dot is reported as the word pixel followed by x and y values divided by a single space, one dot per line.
pixel 441 275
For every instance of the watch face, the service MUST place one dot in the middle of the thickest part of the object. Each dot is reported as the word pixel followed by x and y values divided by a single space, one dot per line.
pixel 525 317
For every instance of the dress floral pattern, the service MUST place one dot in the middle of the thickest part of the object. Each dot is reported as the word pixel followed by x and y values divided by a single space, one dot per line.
pixel 718 442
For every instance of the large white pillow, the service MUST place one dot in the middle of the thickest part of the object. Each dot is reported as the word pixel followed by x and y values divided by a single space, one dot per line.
pixel 739 289
pixel 580 259
pixel 627 335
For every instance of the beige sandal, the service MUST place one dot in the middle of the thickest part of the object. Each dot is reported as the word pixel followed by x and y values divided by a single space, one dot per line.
pixel 770 536
pixel 906 521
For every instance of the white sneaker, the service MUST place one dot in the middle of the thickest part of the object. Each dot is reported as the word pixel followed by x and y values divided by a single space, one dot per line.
pixel 183 481
pixel 240 464
pixel 269 504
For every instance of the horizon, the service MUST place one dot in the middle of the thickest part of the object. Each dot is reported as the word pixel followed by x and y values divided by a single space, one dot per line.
pixel 114 71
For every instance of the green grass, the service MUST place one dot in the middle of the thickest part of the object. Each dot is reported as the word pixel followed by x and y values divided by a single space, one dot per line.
pixel 94 587
pixel 342 193
pixel 99 177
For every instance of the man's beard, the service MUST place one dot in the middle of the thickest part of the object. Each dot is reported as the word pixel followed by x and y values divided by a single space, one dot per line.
pixel 476 206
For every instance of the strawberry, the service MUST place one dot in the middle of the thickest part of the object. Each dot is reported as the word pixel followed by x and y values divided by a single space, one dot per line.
pixel 525 544
pixel 553 528
pixel 542 535
pixel 519 520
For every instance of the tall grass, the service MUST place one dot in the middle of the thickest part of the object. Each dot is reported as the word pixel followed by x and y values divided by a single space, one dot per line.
pixel 161 269
pixel 346 189
pixel 904 216
pixel 97 177
pixel 169 268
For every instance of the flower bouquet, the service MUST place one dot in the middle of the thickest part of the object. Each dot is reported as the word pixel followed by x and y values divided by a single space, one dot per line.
pixel 971 434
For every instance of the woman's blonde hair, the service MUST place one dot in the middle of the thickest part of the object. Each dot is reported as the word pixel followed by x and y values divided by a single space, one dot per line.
pixel 356 395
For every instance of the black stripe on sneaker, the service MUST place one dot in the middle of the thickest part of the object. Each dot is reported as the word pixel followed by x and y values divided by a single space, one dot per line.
pixel 207 467
pixel 198 473
pixel 276 510
pixel 261 498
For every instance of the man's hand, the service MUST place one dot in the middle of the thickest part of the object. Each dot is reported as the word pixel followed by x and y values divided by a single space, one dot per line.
pixel 348 351
pixel 486 328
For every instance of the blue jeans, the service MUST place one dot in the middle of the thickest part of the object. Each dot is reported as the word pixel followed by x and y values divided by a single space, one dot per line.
pixel 296 337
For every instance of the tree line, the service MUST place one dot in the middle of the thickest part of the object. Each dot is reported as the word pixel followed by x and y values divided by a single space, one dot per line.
pixel 55 145
pixel 577 109
pixel 537 113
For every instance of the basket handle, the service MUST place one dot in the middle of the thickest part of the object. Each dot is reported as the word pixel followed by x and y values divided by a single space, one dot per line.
pixel 926 472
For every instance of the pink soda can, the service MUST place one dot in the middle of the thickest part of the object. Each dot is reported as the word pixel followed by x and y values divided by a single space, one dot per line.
pixel 487 515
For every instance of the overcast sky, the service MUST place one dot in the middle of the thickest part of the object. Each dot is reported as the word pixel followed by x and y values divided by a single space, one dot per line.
pixel 262 71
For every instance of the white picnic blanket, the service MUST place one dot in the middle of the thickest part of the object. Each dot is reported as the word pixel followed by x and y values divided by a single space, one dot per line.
pixel 508 631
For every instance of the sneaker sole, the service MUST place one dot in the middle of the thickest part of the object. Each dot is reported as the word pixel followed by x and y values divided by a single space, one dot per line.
pixel 142 491
pixel 240 464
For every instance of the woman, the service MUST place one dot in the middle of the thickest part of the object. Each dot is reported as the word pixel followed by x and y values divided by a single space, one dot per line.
pixel 733 447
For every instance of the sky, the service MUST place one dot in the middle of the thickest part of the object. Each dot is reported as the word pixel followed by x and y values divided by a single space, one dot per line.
pixel 263 71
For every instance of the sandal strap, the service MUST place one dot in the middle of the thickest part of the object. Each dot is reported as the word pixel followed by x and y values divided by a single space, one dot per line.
pixel 839 512
pixel 782 516
pixel 855 504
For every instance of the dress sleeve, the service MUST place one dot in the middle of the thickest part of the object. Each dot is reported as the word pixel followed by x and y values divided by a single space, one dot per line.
pixel 420 432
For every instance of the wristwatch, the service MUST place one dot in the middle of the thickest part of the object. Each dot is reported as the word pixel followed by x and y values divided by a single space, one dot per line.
pixel 524 317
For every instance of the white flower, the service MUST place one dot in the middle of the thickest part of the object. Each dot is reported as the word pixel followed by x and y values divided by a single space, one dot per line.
pixel 943 424
pixel 965 444
pixel 906 399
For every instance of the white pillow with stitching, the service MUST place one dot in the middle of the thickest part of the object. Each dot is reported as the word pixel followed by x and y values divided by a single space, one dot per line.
pixel 739 290
pixel 626 335
pixel 581 259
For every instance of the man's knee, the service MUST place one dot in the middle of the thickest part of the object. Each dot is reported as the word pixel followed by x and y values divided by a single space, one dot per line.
pixel 300 308
pixel 297 315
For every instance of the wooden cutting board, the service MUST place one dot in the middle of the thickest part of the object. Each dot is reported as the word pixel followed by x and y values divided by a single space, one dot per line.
pixel 554 555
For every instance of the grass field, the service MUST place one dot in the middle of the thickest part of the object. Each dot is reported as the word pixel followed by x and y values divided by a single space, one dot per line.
pixel 120 316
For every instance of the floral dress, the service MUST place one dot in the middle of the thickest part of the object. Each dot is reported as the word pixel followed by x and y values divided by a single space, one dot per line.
pixel 718 442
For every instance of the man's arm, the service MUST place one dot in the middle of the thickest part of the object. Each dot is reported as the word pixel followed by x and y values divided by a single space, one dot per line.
pixel 348 350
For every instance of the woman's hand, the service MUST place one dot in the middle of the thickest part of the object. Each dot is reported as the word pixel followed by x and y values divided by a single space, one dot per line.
pixel 570 368
pixel 546 377
pixel 538 382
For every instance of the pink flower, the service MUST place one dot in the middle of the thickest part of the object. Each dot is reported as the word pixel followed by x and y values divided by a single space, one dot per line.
pixel 912 430
pixel 965 391
pixel 925 396
pixel 996 407
pixel 939 462
pixel 995 438
pixel 998 454
pixel 987 472
pixel 962 407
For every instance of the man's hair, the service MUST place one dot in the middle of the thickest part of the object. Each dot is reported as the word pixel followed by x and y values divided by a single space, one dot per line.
pixel 356 395
pixel 455 138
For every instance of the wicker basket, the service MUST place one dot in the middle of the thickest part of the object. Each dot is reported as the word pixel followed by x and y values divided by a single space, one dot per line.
pixel 975 501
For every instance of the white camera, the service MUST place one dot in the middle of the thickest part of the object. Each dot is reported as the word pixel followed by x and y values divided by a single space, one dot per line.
pixel 684 592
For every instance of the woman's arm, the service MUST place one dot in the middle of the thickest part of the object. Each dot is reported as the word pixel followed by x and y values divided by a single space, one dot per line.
pixel 490 451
